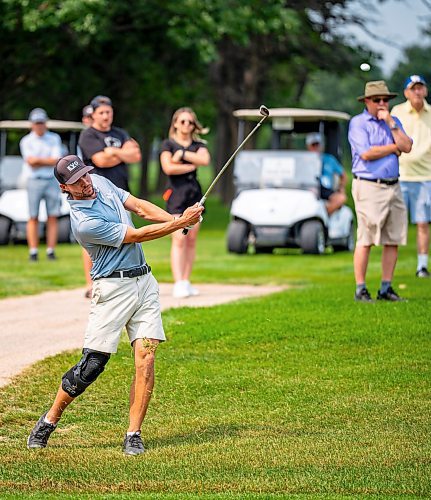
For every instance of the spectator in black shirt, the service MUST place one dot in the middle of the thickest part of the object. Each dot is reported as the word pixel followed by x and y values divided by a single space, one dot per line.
pixel 108 149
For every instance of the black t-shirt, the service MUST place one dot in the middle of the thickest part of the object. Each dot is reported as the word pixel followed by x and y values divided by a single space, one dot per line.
pixel 92 141
pixel 172 146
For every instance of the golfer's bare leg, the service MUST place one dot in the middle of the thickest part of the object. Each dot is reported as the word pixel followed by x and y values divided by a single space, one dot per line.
pixel 61 402
pixel 389 259
pixel 33 233
pixel 143 381
pixel 190 252
pixel 51 232
pixel 178 253
pixel 360 262
pixel 423 238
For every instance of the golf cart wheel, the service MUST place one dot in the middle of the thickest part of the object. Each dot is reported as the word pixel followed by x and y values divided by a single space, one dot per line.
pixel 349 242
pixel 5 227
pixel 312 237
pixel 237 236
pixel 64 232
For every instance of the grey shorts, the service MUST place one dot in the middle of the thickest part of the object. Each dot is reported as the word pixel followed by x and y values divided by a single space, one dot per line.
pixel 417 197
pixel 43 189
pixel 117 303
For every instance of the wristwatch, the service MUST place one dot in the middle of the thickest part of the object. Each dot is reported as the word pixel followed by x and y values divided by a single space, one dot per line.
pixel 394 126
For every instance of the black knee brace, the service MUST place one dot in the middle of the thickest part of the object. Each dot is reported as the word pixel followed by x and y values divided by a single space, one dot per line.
pixel 85 372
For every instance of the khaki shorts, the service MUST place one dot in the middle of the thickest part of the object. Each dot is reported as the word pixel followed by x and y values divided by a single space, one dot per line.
pixel 380 212
pixel 132 303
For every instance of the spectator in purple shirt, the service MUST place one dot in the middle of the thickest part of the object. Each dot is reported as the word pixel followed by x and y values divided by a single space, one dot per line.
pixel 377 139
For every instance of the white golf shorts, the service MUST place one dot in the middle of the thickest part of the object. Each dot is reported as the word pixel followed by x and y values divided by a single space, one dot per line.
pixel 132 303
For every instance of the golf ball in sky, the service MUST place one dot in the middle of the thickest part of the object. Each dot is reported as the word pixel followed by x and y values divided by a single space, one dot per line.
pixel 365 67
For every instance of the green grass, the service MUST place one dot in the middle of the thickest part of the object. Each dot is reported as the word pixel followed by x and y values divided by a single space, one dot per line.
pixel 301 394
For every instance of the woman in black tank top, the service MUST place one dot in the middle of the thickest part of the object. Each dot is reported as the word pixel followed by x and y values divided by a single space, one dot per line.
pixel 180 156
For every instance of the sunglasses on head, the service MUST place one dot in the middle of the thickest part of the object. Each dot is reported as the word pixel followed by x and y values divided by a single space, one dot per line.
pixel 188 122
pixel 379 99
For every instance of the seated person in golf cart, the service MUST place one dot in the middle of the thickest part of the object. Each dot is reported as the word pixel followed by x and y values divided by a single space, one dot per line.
pixel 333 179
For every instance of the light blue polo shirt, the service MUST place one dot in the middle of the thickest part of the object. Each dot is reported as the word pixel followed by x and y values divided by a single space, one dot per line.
pixel 99 225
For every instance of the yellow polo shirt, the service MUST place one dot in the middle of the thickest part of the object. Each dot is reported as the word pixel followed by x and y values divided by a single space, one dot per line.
pixel 416 165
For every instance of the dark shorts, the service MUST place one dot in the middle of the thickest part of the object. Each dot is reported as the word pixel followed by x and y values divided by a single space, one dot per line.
pixel 325 193
pixel 178 198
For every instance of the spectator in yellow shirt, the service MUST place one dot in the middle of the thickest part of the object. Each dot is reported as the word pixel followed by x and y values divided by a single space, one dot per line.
pixel 415 167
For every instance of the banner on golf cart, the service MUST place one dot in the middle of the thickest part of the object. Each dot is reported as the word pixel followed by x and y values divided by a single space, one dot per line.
pixel 277 172
pixel 277 169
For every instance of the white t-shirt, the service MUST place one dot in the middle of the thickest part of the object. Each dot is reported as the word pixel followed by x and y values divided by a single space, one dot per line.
pixel 47 145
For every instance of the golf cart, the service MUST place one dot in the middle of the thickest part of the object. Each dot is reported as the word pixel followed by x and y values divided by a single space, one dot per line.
pixel 277 200
pixel 14 212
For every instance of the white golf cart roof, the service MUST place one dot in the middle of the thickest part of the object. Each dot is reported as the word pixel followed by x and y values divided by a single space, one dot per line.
pixel 297 114
pixel 59 125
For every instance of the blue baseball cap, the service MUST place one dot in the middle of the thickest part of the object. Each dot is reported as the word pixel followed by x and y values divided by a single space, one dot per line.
pixel 412 80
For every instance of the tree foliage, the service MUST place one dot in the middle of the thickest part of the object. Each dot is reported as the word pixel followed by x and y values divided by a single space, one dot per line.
pixel 151 57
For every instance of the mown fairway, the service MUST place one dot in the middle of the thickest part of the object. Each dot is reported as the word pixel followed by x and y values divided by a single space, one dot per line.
pixel 303 392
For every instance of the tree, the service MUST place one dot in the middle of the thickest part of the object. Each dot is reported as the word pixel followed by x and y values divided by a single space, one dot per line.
pixel 152 56
pixel 244 41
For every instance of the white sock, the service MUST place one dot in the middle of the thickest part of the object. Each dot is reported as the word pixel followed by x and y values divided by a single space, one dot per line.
pixel 49 250
pixel 132 433
pixel 33 251
pixel 47 421
pixel 422 261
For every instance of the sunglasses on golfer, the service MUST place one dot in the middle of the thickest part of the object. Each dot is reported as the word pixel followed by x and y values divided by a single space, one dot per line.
pixel 380 99
pixel 187 122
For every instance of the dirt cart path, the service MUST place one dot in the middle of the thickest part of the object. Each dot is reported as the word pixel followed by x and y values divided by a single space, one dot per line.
pixel 34 327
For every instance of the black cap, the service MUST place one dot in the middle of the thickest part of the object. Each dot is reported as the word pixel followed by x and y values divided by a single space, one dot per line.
pixel 100 100
pixel 69 169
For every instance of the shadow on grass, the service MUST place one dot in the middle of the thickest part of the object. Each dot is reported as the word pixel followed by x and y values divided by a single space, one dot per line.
pixel 204 435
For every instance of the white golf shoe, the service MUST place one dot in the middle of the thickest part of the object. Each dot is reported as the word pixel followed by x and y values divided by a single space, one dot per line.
pixel 192 290
pixel 181 290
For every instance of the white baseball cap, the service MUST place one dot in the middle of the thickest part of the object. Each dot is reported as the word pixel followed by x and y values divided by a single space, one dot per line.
pixel 313 138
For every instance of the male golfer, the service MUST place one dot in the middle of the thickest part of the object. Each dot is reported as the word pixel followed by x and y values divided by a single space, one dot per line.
pixel 125 292
pixel 415 168
pixel 377 139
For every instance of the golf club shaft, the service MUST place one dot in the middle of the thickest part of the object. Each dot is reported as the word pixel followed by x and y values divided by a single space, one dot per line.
pixel 229 161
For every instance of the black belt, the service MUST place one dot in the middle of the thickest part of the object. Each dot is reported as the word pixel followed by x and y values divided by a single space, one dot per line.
pixel 131 273
pixel 388 182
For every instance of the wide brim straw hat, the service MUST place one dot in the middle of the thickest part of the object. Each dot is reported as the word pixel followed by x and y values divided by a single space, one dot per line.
pixel 377 88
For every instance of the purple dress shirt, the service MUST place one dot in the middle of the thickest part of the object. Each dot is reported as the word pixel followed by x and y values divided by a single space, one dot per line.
pixel 366 131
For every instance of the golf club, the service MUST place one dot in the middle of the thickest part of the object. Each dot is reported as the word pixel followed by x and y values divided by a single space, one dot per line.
pixel 263 110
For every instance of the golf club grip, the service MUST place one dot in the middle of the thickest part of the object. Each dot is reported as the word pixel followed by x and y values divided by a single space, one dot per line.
pixel 201 203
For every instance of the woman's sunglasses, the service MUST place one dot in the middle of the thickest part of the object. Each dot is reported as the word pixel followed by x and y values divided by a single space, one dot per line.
pixel 187 122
